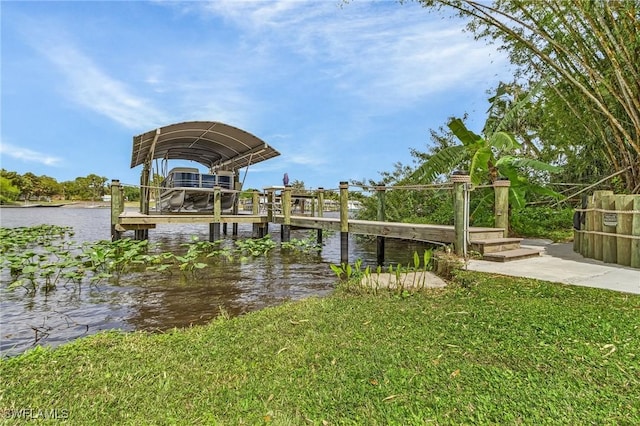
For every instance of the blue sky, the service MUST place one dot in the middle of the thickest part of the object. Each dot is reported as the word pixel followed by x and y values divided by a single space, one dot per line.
pixel 343 91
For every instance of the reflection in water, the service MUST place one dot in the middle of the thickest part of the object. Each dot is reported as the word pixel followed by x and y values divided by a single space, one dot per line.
pixel 153 301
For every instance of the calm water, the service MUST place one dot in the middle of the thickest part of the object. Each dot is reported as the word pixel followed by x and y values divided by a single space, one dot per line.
pixel 153 301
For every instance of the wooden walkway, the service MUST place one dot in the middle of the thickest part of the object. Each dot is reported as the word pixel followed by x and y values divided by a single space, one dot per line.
pixel 410 231
pixel 130 220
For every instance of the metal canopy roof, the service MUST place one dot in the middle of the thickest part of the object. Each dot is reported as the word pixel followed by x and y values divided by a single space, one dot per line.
pixel 213 144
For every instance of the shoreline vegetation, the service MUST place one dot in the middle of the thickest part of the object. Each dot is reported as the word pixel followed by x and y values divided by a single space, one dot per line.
pixel 487 349
pixel 67 204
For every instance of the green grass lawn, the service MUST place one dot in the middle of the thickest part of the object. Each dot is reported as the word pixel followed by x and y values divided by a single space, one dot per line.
pixel 487 350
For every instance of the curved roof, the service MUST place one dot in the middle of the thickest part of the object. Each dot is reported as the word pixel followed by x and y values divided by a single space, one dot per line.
pixel 213 144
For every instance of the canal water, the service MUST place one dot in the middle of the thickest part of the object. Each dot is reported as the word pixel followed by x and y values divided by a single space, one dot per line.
pixel 156 302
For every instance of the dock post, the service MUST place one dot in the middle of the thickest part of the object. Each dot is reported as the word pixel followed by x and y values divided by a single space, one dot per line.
pixel 271 200
pixel 320 202
pixel 117 207
pixel 145 200
pixel 459 215
pixel 214 228
pixel 382 217
pixel 236 202
pixel 255 210
pixel 344 223
pixel 501 207
pixel 320 213
pixel 312 213
pixel 285 235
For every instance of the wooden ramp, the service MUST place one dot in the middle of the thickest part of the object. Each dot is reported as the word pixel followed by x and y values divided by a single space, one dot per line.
pixel 408 231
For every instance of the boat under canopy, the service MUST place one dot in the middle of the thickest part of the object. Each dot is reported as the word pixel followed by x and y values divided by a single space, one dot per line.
pixel 223 149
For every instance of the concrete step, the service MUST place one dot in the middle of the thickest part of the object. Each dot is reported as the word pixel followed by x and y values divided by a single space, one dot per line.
pixel 495 244
pixel 509 255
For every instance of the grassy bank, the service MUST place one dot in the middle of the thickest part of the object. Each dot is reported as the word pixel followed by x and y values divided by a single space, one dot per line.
pixel 486 350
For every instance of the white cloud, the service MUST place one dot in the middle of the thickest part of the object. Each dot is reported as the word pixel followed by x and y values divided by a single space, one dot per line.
pixel 93 88
pixel 386 54
pixel 28 155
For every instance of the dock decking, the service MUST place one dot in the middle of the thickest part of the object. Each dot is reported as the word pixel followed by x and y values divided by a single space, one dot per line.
pixel 410 231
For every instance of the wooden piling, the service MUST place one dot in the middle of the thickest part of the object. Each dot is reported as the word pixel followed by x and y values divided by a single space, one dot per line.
pixel 271 199
pixel 255 210
pixel 236 203
pixel 214 228
pixel 145 200
pixel 320 214
pixel 382 217
pixel 286 210
pixel 598 219
pixel 624 227
pixel 609 246
pixel 635 232
pixel 320 202
pixel 578 226
pixel 344 223
pixel 117 207
pixel 588 240
pixel 459 181
pixel 501 206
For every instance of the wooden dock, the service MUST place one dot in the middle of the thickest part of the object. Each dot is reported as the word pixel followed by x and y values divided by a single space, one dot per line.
pixel 445 234
pixel 131 221
pixel 487 241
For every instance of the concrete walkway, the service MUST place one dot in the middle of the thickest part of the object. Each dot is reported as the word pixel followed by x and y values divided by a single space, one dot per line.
pixel 559 263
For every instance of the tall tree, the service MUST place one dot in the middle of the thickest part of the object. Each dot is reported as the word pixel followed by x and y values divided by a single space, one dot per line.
pixel 8 191
pixel 590 53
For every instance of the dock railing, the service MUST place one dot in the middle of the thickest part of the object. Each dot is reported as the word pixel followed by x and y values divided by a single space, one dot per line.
pixel 276 204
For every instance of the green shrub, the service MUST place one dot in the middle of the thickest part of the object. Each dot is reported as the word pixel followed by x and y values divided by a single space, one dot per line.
pixel 543 222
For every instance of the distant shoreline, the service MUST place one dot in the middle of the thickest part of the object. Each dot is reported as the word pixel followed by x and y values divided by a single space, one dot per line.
pixel 73 204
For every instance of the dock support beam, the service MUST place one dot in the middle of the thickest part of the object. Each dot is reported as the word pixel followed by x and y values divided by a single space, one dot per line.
pixel 344 223
pixel 258 230
pixel 145 200
pixel 214 228
pixel 382 217
pixel 460 225
pixel 501 189
pixel 320 213
pixel 117 207
pixel 285 235
pixel 236 203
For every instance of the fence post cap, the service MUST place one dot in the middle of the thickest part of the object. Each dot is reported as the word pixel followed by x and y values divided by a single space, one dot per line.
pixel 499 183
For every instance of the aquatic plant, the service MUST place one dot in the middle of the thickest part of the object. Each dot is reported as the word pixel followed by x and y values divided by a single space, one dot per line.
pixel 40 258
pixel 356 278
